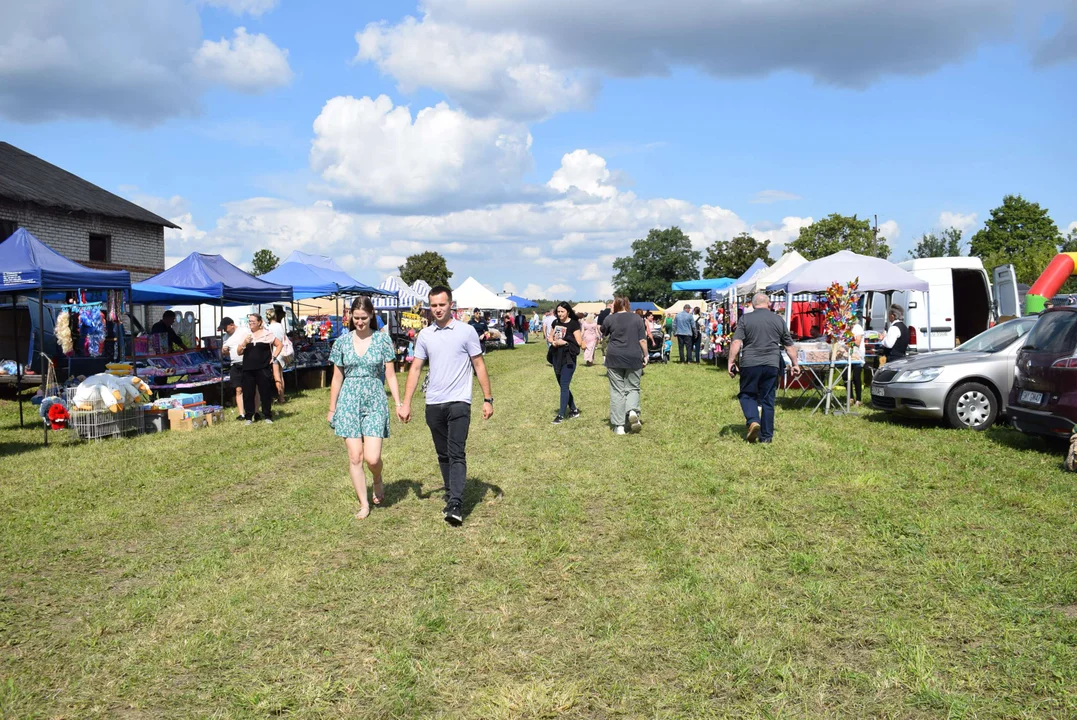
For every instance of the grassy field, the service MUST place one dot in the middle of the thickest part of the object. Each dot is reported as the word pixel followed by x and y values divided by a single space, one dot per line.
pixel 859 567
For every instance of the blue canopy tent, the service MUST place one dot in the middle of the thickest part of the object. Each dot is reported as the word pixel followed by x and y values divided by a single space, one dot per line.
pixel 522 302
pixel 26 265
pixel 214 281
pixel 645 306
pixel 303 279
pixel 703 285
pixel 327 269
pixel 214 276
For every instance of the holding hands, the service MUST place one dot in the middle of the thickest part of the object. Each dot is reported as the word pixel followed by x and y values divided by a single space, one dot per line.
pixel 403 412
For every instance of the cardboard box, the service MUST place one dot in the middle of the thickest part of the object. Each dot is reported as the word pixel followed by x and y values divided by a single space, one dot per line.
pixel 189 424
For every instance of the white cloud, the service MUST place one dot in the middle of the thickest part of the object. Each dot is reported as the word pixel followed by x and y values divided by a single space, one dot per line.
pixel 559 291
pixel 510 288
pixel 779 237
pixel 865 40
pixel 961 221
pixel 767 197
pixel 591 271
pixel 130 61
pixel 241 7
pixel 486 74
pixel 534 291
pixel 583 171
pixel 531 251
pixel 604 289
pixel 890 230
pixel 375 154
pixel 390 262
pixel 247 63
pixel 1072 227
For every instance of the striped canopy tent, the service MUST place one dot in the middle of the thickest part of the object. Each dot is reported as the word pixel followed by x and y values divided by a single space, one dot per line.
pixel 422 289
pixel 406 297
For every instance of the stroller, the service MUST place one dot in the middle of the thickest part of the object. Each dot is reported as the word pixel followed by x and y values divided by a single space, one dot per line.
pixel 658 348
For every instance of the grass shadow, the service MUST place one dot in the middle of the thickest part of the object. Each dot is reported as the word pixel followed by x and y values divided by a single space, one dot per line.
pixel 734 430
pixel 1016 440
pixel 399 490
pixel 888 418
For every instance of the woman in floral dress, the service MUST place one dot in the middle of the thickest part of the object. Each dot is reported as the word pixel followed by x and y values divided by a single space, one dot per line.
pixel 358 411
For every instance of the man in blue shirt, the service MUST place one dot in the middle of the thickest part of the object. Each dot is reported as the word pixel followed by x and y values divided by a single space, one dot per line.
pixel 682 328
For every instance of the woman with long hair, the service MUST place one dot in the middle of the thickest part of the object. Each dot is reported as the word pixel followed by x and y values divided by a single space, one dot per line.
pixel 363 361
pixel 626 356
pixel 566 338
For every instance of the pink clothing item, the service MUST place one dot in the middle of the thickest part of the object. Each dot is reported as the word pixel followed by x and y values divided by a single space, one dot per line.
pixel 591 334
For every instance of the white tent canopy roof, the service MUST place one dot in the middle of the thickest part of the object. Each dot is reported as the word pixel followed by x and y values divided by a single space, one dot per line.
pixel 875 274
pixel 405 297
pixel 472 294
pixel 762 280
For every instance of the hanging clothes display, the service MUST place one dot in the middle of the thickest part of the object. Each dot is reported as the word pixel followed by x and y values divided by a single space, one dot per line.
pixel 92 330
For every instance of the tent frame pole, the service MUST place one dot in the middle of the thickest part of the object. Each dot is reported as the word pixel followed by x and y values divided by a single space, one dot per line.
pixel 18 363
pixel 44 355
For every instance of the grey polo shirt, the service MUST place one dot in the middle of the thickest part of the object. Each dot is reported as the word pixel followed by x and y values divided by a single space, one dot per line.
pixel 764 334
pixel 448 351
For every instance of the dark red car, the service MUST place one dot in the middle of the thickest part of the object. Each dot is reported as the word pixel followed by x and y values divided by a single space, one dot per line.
pixel 1043 400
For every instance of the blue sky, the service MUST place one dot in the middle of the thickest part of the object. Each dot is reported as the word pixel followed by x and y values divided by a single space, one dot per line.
pixel 538 139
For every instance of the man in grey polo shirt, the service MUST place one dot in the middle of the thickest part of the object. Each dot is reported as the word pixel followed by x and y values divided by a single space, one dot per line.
pixel 763 336
pixel 453 350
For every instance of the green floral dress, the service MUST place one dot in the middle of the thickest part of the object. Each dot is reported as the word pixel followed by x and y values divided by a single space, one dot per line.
pixel 362 409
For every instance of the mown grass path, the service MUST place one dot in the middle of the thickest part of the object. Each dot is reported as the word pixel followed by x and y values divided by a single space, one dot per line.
pixel 859 567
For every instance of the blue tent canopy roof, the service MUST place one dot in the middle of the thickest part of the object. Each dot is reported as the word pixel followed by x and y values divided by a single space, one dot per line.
pixel 303 279
pixel 702 285
pixel 27 264
pixel 643 306
pixel 522 302
pixel 328 270
pixel 214 276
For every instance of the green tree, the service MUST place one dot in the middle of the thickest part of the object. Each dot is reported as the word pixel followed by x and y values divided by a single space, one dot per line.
pixel 730 258
pixel 945 244
pixel 1069 243
pixel 428 266
pixel 657 261
pixel 264 261
pixel 838 232
pixel 1018 232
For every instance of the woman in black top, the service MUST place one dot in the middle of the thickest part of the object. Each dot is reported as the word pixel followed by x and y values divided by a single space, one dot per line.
pixel 259 350
pixel 566 338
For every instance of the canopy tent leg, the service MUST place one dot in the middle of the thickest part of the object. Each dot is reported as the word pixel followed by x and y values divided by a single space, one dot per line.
pixel 18 362
pixel 44 355
pixel 220 351
pixel 928 296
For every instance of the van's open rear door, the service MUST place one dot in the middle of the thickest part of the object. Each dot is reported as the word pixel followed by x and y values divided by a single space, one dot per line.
pixel 1007 297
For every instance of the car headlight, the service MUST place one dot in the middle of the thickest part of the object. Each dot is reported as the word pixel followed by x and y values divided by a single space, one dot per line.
pixel 920 375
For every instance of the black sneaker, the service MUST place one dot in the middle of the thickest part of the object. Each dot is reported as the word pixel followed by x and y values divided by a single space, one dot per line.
pixel 257 417
pixel 558 420
pixel 574 414
pixel 454 515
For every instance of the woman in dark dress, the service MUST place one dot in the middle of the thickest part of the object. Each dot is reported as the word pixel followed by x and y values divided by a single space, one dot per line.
pixel 566 338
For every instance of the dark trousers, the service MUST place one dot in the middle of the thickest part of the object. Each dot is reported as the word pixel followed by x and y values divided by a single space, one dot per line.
pixel 684 345
pixel 564 374
pixel 758 386
pixel 510 339
pixel 858 380
pixel 262 380
pixel 697 344
pixel 449 424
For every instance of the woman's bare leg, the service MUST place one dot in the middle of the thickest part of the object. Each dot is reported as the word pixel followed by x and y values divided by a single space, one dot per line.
pixel 372 455
pixel 355 469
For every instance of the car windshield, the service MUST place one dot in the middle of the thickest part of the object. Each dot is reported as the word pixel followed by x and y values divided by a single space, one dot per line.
pixel 1056 332
pixel 999 337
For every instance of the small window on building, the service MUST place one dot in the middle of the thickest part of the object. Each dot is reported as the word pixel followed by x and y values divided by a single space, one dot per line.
pixel 100 248
pixel 7 229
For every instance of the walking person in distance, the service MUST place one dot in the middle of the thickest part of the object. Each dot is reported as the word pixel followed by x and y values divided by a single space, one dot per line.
pixel 566 339
pixel 453 351
pixel 591 335
pixel 626 356
pixel 363 360
pixel 682 328
pixel 762 335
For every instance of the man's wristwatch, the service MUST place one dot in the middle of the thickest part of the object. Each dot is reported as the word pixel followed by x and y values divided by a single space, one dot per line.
pixel 489 400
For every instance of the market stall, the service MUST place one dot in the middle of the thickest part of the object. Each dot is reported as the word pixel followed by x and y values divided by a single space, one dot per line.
pixel 30 267
pixel 216 282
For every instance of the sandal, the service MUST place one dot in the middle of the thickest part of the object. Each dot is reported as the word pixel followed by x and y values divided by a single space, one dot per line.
pixel 363 512
pixel 379 492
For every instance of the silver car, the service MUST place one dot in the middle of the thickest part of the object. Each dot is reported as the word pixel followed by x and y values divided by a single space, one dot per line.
pixel 967 386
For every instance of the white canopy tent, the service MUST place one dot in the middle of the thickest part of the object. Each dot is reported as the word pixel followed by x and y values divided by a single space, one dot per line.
pixel 762 280
pixel 422 289
pixel 405 297
pixel 472 294
pixel 873 275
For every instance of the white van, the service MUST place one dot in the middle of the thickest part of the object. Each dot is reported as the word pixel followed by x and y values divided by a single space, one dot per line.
pixel 965 301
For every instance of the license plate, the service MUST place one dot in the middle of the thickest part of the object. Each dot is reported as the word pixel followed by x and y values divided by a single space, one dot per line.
pixel 881 392
pixel 1031 398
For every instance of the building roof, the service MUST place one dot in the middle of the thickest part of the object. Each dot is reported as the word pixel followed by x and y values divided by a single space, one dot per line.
pixel 28 178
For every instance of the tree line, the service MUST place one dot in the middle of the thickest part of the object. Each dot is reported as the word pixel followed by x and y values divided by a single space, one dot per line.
pixel 1018 232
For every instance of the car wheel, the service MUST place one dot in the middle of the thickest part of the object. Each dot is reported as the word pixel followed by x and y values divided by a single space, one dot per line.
pixel 971 405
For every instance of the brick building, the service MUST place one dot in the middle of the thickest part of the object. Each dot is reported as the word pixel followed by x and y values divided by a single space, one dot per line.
pixel 78 219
